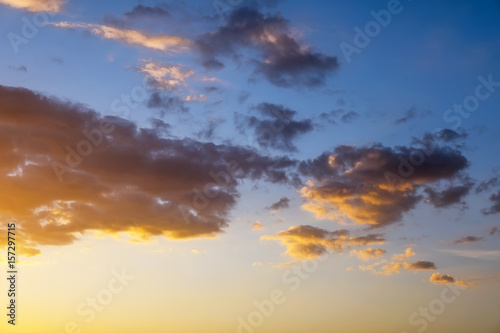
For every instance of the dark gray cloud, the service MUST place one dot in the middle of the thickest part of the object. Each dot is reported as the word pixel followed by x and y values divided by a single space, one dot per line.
pixel 208 132
pixel 166 103
pixel 487 185
pixel 338 115
pixel 279 205
pixel 243 96
pixel 495 198
pixel 276 127
pixel 450 196
pixel 421 265
pixel 89 172
pixel 356 182
pixel 213 89
pixel 410 114
pixel 19 68
pixel 280 57
pixel 141 11
pixel 444 135
pixel 466 240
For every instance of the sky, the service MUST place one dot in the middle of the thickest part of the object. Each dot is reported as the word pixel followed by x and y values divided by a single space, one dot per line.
pixel 250 166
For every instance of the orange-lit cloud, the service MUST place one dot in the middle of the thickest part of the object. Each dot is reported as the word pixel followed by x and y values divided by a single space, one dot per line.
pixel 398 263
pixel 404 256
pixel 437 278
pixel 132 37
pixel 49 6
pixel 308 242
pixel 257 225
pixel 368 254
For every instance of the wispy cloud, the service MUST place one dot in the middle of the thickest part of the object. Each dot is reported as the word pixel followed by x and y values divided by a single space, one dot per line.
pixel 475 254
pixel 162 42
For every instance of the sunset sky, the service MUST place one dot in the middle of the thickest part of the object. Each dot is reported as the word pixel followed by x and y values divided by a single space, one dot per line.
pixel 251 166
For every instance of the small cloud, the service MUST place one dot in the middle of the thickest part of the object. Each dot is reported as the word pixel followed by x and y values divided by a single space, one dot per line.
pixel 404 256
pixel 349 116
pixel 19 68
pixel 349 268
pixel 57 60
pixel 421 265
pixel 195 251
pixel 281 204
pixel 493 230
pixel 209 79
pixel 437 278
pixel 486 185
pixel 257 225
pixel 257 264
pixel 368 254
pixel 243 96
pixel 466 240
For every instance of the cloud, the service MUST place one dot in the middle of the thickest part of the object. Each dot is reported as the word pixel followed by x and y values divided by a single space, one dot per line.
pixel 338 115
pixel 437 278
pixel 404 256
pixel 450 196
pixel 368 254
pixel 257 225
pixel 165 76
pixel 49 6
pixel 141 11
pixel 19 68
pixel 277 129
pixel 308 242
pixel 167 43
pixel 282 59
pixel 130 180
pixel 410 114
pixel 398 263
pixel 359 183
pixel 166 103
pixel 486 185
pixel 281 204
pixel 495 198
pixel 243 96
pixel 349 117
pixel 421 265
pixel 387 268
pixel 466 240
pixel 475 254
pixel 493 230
